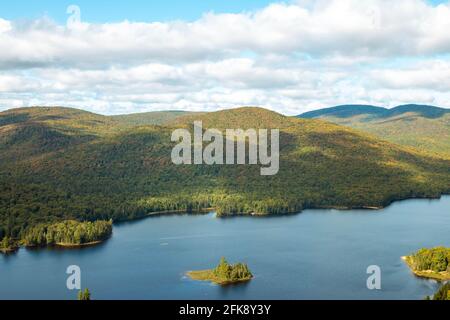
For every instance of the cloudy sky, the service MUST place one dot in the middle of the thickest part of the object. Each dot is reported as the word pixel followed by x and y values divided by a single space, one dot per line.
pixel 293 56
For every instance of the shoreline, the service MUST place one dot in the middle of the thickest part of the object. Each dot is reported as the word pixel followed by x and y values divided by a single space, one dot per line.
pixel 56 245
pixel 161 213
pixel 82 245
pixel 9 250
pixel 339 208
pixel 426 274
pixel 255 215
pixel 377 208
pixel 155 214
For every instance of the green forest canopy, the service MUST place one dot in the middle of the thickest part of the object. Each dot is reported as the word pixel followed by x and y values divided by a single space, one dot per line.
pixel 435 259
pixel 67 233
pixel 232 272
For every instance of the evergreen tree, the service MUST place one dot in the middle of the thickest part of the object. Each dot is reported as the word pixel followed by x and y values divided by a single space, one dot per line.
pixel 443 293
pixel 229 272
pixel 222 269
pixel 87 294
pixel 84 295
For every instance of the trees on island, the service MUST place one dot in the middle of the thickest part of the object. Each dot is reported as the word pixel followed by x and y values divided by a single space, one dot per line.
pixel 84 295
pixel 224 273
pixel 232 273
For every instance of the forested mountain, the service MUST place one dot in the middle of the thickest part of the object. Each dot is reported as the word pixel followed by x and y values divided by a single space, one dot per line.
pixel 345 111
pixel 150 118
pixel 420 126
pixel 60 164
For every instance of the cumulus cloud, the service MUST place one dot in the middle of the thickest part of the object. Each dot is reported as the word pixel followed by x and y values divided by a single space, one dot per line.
pixel 287 57
pixel 431 75
pixel 5 26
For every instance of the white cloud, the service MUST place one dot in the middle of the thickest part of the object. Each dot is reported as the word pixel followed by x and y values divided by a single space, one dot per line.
pixel 432 75
pixel 288 57
pixel 5 26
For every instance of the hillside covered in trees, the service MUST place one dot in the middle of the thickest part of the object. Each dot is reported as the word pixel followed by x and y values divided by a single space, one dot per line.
pixel 150 118
pixel 419 126
pixel 59 164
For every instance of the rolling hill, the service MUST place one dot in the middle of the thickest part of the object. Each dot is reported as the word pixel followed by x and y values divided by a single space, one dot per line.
pixel 60 164
pixel 419 126
pixel 150 118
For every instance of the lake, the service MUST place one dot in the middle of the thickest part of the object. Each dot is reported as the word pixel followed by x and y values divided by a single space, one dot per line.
pixel 318 254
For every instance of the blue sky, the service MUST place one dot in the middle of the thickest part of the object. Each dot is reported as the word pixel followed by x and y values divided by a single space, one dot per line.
pixel 288 56
pixel 135 10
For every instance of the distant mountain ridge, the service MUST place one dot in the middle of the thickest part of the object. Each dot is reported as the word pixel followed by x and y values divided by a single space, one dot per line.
pixel 420 126
pixel 42 114
pixel 345 111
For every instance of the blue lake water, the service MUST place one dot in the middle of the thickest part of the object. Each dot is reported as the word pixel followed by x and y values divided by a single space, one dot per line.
pixel 318 254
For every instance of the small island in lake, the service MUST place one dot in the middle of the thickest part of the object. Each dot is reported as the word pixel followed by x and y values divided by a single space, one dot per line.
pixel 430 263
pixel 224 273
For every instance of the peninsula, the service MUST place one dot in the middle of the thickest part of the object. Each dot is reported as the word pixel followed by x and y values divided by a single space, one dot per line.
pixel 430 263
pixel 66 234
